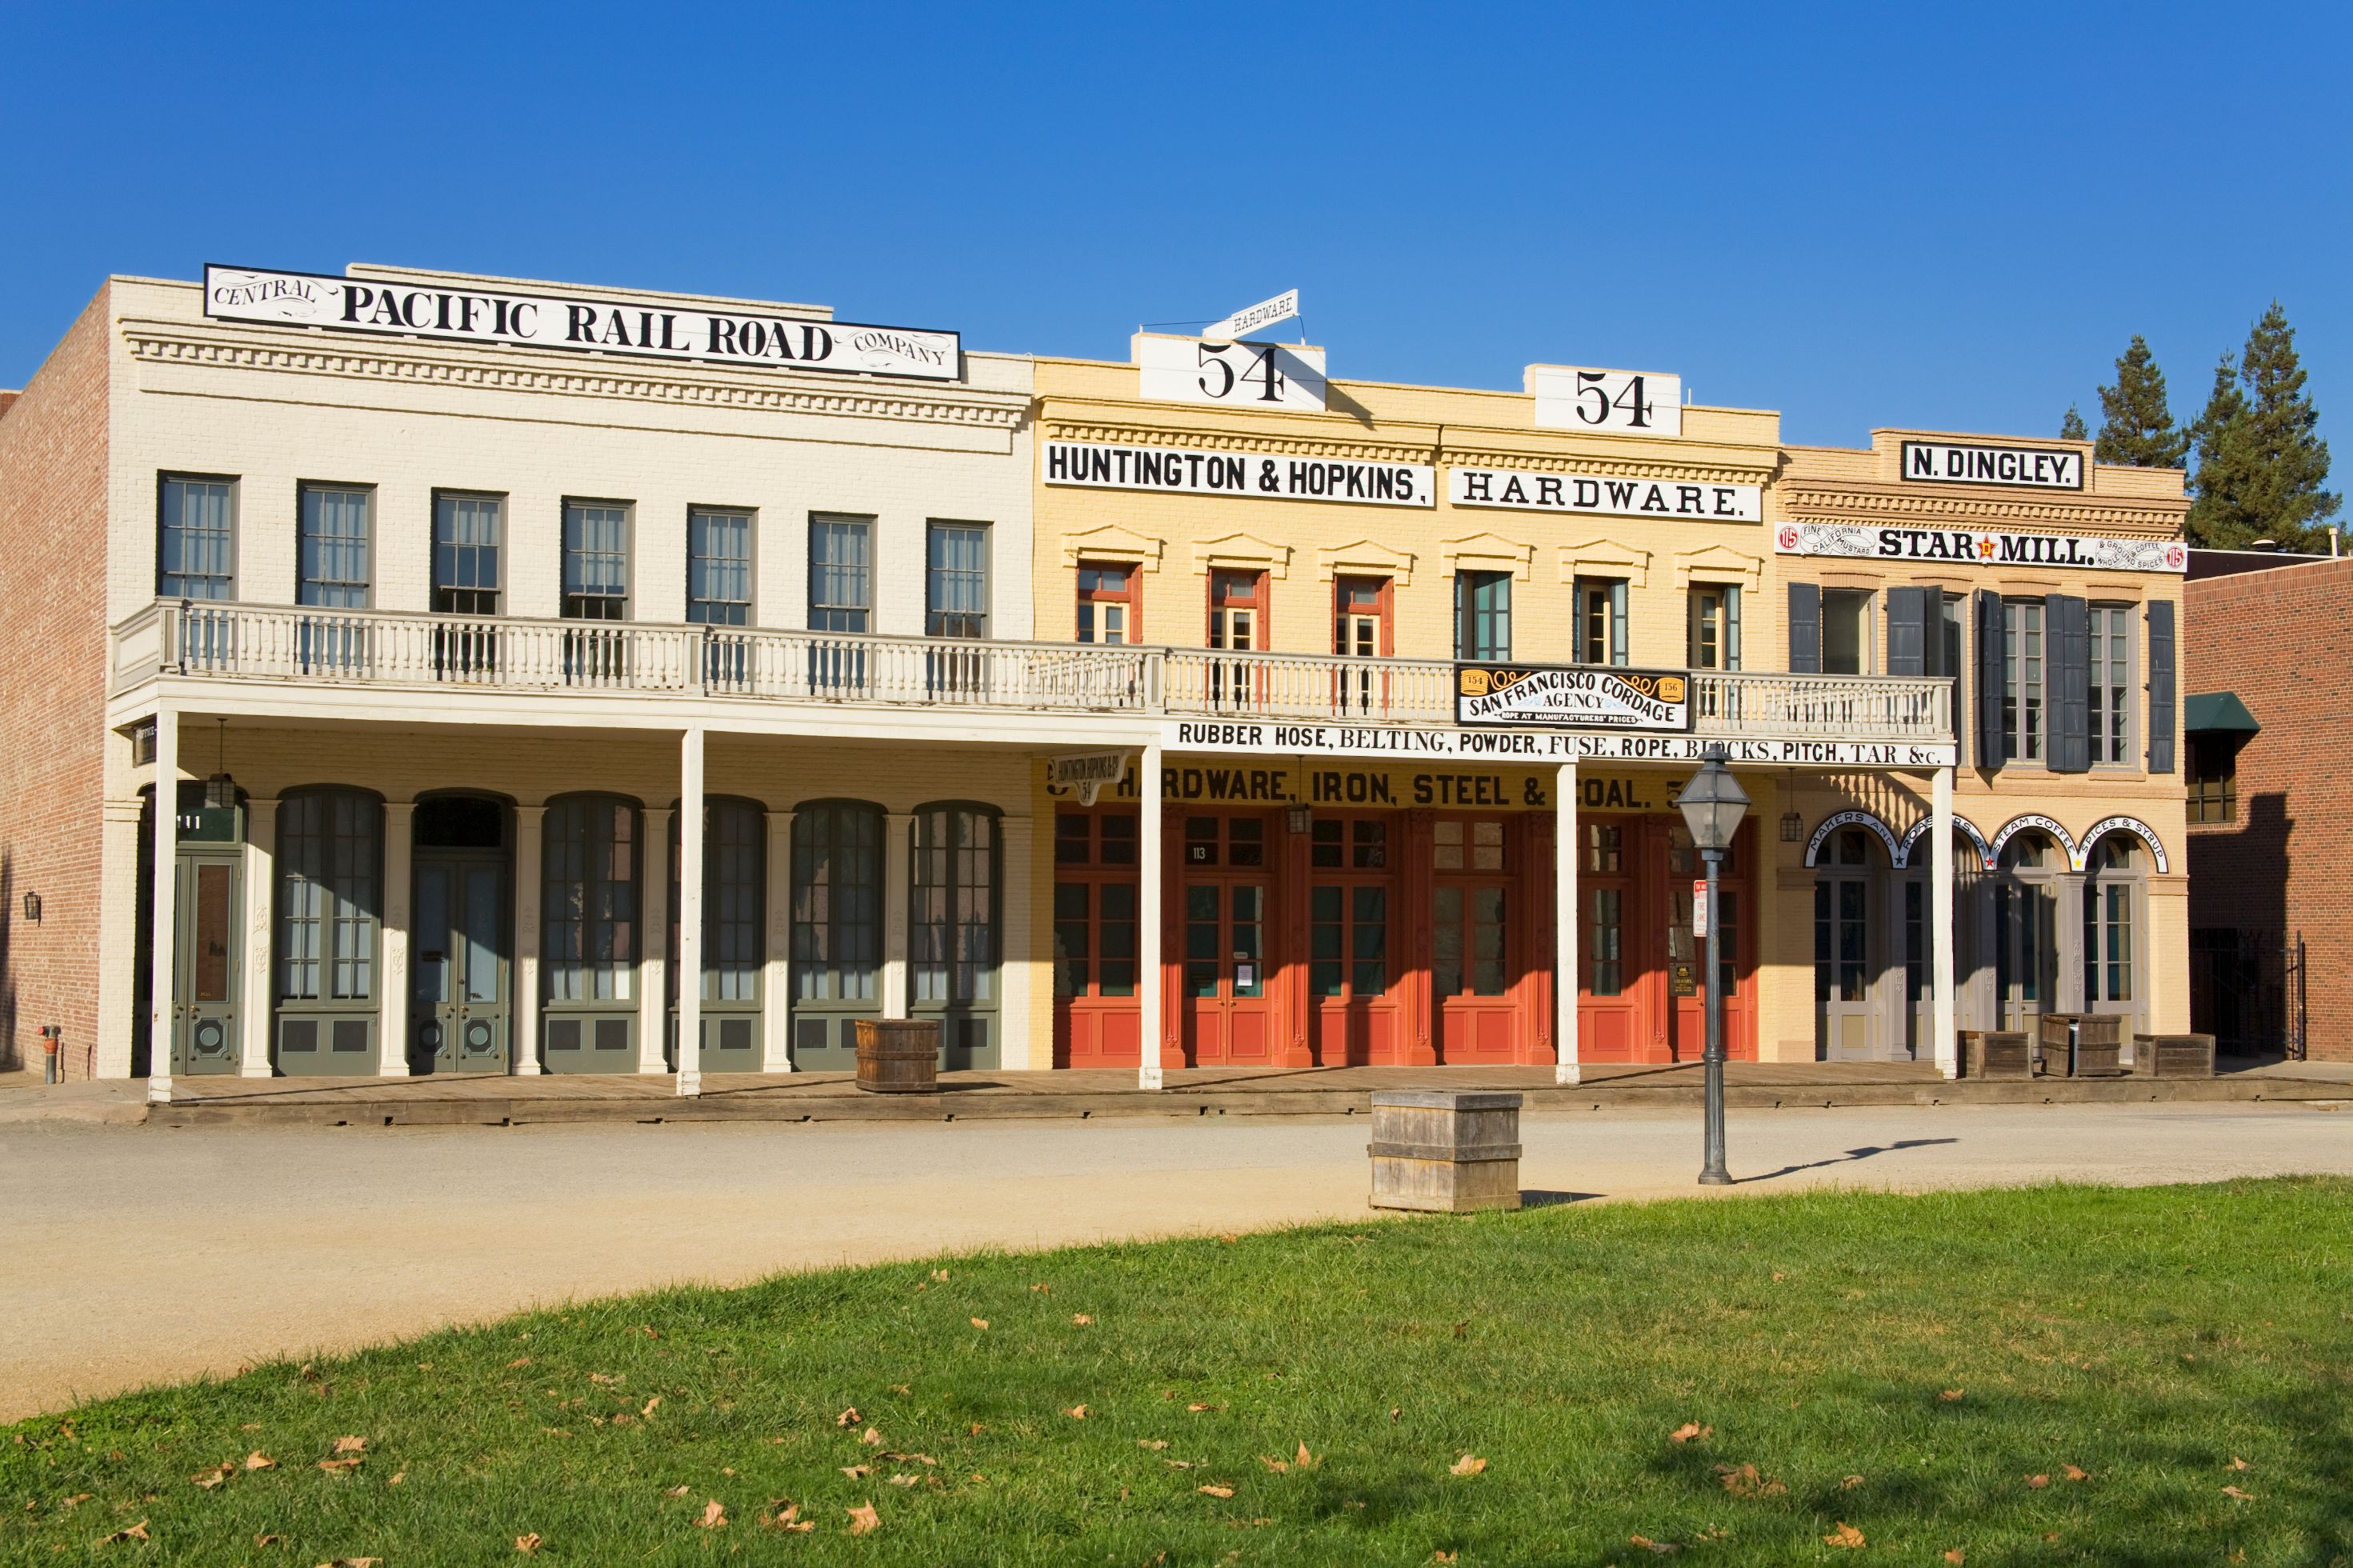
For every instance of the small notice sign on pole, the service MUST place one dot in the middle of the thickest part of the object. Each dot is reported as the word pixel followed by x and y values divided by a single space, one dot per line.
pixel 1699 909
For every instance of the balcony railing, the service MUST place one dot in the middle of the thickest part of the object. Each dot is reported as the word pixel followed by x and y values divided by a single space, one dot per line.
pixel 385 650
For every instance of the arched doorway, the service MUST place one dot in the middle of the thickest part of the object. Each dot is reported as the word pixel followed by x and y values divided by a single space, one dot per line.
pixel 2115 894
pixel 2030 874
pixel 1850 946
pixel 462 1001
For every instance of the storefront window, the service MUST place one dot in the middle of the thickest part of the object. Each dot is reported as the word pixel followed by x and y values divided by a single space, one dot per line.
pixel 952 915
pixel 836 900
pixel 327 852
pixel 1604 942
pixel 589 899
pixel 1094 903
pixel 1348 940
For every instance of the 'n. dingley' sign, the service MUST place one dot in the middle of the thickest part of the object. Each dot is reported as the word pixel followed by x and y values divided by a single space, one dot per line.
pixel 1613 498
pixel 1954 463
pixel 653 327
pixel 1968 547
pixel 1191 472
pixel 1553 696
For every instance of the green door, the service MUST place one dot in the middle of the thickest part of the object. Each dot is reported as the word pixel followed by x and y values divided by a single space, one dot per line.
pixel 209 906
pixel 460 1009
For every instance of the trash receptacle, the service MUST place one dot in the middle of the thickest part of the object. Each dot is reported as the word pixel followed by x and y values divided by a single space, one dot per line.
pixel 899 1056
pixel 1445 1150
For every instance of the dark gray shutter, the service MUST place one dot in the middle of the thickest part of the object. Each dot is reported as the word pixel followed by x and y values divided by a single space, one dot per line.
pixel 1908 631
pixel 1990 633
pixel 2067 682
pixel 1805 629
pixel 2160 686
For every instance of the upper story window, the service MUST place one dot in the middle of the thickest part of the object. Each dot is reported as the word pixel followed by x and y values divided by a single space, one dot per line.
pixel 1599 634
pixel 194 554
pixel 1482 614
pixel 841 573
pixel 718 567
pixel 2111 672
pixel 1237 611
pixel 1714 633
pixel 1107 608
pixel 2021 680
pixel 1361 618
pixel 2214 778
pixel 595 560
pixel 333 556
pixel 1846 631
pixel 469 553
pixel 955 584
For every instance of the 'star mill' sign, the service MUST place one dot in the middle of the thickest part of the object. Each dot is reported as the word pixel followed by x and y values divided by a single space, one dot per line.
pixel 652 327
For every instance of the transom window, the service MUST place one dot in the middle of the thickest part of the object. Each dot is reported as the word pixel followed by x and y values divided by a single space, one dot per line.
pixel 1225 840
pixel 327 904
pixel 1095 838
pixel 1106 604
pixel 1600 633
pixel 1360 844
pixel 469 540
pixel 1456 845
pixel 1605 848
pixel 719 567
pixel 195 558
pixel 595 560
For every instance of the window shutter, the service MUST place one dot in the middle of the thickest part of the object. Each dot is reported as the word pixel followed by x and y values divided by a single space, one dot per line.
pixel 2160 686
pixel 1908 631
pixel 1805 629
pixel 2067 696
pixel 1991 633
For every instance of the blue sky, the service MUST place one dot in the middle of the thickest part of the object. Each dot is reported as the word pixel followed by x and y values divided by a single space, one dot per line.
pixel 1941 216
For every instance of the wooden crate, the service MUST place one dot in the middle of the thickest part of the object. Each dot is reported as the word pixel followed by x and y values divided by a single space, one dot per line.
pixel 1445 1151
pixel 1996 1053
pixel 2173 1056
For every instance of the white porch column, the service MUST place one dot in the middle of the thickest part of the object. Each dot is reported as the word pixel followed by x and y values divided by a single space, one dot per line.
pixel 777 969
pixel 109 1056
pixel 163 927
pixel 528 819
pixel 653 944
pixel 254 993
pixel 898 833
pixel 392 999
pixel 1015 974
pixel 690 911
pixel 1940 898
pixel 1563 925
pixel 1147 920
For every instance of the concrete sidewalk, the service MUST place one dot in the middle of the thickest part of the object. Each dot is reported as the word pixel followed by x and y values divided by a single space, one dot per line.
pixel 138 1255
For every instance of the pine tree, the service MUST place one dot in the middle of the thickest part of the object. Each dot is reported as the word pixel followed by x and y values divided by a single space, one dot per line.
pixel 2261 465
pixel 2137 427
pixel 2071 427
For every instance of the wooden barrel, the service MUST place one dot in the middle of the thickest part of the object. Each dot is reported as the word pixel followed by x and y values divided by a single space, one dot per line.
pixel 1450 1151
pixel 899 1056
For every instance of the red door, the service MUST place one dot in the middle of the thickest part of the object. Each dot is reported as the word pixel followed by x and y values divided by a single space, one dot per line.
pixel 1610 1017
pixel 1096 1020
pixel 1228 1021
pixel 1474 908
pixel 1686 1020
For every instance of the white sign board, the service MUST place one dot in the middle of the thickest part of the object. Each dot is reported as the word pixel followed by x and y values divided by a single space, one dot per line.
pixel 1520 492
pixel 651 327
pixel 1231 375
pixel 1954 463
pixel 1699 909
pixel 1187 472
pixel 1265 313
pixel 1971 547
pixel 1562 696
pixel 1266 738
pixel 1088 773
pixel 1634 402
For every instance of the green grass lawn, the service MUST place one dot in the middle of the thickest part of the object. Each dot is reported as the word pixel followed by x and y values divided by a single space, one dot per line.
pixel 2051 1374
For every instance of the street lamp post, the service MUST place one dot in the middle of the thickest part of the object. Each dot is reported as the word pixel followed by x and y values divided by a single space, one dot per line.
pixel 1713 804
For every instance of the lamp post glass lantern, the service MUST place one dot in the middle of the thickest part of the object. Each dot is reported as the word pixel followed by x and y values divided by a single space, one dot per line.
pixel 1713 804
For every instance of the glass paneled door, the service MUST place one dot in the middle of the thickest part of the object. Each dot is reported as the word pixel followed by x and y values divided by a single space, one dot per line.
pixel 208 899
pixel 1472 962
pixel 460 1009
pixel 1844 960
pixel 1227 1018
pixel 2026 932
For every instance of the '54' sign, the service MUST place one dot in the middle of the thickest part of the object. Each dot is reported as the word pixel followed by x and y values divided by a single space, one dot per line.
pixel 1234 375
pixel 1635 402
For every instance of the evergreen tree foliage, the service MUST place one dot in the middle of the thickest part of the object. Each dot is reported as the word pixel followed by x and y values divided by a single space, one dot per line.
pixel 2137 427
pixel 2262 467
pixel 2070 429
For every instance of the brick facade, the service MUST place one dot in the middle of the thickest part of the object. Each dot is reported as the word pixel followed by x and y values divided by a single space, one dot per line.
pixel 2279 640
pixel 53 531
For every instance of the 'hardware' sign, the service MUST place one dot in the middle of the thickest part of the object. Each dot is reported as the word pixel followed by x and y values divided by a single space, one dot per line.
pixel 1609 498
pixel 653 328
pixel 1572 697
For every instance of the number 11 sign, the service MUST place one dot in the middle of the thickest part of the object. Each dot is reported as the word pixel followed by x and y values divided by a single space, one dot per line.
pixel 1634 402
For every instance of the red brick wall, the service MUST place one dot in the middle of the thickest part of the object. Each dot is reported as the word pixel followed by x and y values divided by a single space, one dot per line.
pixel 2284 641
pixel 52 522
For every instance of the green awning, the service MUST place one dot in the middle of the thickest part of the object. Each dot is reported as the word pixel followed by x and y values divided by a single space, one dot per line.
pixel 2209 711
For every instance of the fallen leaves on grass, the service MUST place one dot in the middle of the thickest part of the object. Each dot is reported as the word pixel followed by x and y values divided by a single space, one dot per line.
pixel 520 1361
pixel 679 1490
pixel 1950 1396
pixel 1215 1491
pixel 2037 1482
pixel 648 1413
pixel 871 1437
pixel 901 1388
pixel 210 1478
pixel 1279 1467
pixel 1467 1465
pixel 258 1461
pixel 786 1515
pixel 351 1445
pixel 128 1532
pixel 980 1323
pixel 1691 1431
pixel 1956 1555
pixel 1747 1480
pixel 714 1516
pixel 336 1467
pixel 398 1476
pixel 905 1480
pixel 1155 1444
pixel 864 1520
pixel 1041 1289
pixel 1849 1484
pixel 2237 1464
pixel 1657 1548
pixel 848 1417
pixel 1196 1409
pixel 857 1472
pixel 1305 1460
pixel 2075 1472
pixel 1081 1320
pixel 2235 1492
pixel 268 1540
pixel 1845 1535
pixel 941 1275
pixel 528 1543
pixel 1443 1556
pixel 1076 1413
pixel 79 1498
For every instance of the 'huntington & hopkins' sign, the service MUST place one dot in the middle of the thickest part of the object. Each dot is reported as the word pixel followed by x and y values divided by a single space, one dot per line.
pixel 654 328
pixel 1553 696
pixel 1971 547
pixel 1190 472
